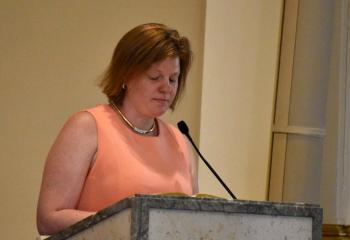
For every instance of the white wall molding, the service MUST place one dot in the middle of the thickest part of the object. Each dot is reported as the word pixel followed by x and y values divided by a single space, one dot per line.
pixel 312 132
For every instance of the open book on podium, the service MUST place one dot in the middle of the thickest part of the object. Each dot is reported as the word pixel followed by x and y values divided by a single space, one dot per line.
pixel 177 216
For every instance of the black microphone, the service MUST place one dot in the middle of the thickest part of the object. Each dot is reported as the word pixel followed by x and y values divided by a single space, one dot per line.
pixel 184 129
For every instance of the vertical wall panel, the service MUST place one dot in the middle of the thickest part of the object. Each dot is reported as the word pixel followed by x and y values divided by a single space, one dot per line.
pixel 240 63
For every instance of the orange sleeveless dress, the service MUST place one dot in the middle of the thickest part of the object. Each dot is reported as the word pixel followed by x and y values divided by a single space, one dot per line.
pixel 128 163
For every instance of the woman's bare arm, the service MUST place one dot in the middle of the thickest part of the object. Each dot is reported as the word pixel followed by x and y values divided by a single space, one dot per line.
pixel 66 167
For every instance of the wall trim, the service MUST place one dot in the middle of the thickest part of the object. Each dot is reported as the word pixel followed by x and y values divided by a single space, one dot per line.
pixel 313 132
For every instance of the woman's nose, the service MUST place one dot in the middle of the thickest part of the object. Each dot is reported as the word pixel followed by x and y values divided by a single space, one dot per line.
pixel 166 85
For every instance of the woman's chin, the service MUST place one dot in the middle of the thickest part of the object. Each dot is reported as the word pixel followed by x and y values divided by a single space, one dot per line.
pixel 160 112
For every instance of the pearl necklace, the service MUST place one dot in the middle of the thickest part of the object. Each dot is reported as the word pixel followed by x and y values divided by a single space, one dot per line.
pixel 135 129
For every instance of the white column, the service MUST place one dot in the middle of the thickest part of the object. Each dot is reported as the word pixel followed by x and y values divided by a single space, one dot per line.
pixel 335 188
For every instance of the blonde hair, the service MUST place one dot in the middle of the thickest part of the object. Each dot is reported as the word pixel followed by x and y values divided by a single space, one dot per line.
pixel 137 50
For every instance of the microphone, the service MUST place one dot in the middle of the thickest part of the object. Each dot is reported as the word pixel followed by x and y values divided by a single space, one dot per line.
pixel 184 129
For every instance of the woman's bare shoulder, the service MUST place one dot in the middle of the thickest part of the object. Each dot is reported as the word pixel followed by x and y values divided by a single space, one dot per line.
pixel 81 120
pixel 79 125
pixel 78 135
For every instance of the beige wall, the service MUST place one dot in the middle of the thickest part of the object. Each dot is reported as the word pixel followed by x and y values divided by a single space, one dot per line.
pixel 53 51
pixel 239 75
pixel 51 55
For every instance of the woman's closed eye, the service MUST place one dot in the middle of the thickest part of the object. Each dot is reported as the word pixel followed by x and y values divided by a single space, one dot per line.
pixel 155 77
pixel 173 80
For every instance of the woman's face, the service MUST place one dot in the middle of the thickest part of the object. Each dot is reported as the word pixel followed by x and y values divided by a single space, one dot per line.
pixel 152 92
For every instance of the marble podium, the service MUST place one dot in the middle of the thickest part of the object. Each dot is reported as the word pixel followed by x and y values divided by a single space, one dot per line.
pixel 159 217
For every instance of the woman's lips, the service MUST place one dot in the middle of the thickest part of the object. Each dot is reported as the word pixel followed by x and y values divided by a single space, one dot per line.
pixel 162 101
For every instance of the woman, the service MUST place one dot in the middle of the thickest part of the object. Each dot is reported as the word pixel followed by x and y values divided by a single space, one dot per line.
pixel 115 150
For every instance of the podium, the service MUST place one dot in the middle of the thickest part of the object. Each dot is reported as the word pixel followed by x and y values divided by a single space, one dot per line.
pixel 160 217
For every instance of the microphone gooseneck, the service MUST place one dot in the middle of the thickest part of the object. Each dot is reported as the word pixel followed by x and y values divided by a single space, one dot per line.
pixel 184 130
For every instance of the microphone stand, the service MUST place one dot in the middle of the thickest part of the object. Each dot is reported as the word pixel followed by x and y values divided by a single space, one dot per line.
pixel 184 129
